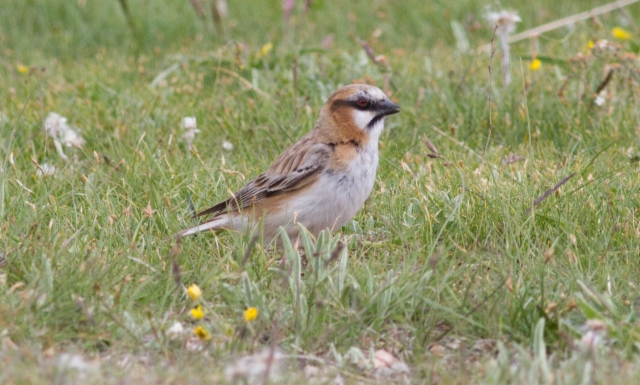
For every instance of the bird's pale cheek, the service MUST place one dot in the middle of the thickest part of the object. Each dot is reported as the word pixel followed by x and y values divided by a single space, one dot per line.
pixel 362 118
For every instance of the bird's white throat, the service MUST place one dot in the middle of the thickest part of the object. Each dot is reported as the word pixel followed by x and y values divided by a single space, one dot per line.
pixel 362 120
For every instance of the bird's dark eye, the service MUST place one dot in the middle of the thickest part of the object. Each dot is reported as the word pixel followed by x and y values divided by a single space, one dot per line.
pixel 362 102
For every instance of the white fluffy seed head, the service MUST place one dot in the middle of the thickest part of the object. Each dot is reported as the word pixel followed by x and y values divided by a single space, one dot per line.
pixel 189 122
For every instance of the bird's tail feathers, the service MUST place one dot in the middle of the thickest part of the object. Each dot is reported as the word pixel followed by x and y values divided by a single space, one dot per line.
pixel 217 223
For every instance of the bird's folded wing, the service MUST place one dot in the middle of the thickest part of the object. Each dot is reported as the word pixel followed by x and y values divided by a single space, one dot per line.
pixel 298 166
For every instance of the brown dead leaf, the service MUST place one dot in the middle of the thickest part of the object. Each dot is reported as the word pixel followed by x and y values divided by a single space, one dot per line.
pixel 148 211
pixel 513 158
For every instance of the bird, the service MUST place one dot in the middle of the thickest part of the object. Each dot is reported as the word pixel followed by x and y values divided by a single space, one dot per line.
pixel 321 181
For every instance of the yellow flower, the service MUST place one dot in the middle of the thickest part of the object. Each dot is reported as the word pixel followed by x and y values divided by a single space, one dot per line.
pixel 621 34
pixel 201 333
pixel 250 314
pixel 23 69
pixel 197 312
pixel 266 49
pixel 590 45
pixel 535 64
pixel 194 292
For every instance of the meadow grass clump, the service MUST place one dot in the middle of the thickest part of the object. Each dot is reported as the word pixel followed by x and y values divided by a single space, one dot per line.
pixel 501 258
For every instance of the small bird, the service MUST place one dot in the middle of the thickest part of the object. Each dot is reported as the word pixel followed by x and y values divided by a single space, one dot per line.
pixel 321 181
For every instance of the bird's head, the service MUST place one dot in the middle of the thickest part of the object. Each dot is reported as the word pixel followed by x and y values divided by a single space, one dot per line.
pixel 357 112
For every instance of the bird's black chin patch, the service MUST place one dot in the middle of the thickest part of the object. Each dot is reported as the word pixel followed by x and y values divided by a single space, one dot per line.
pixel 385 108
pixel 375 121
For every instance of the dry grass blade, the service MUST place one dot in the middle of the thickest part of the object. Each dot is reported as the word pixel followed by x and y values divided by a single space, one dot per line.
pixel 335 253
pixel 218 8
pixel 606 81
pixel 434 151
pixel 127 14
pixel 381 62
pixel 67 241
pixel 549 192
pixel 513 158
pixel 198 8
pixel 242 80
pixel 175 268
pixel 272 349
pixel 367 48
pixel 565 21
pixel 475 308
pixel 247 253
pixel 493 52
pixel 459 143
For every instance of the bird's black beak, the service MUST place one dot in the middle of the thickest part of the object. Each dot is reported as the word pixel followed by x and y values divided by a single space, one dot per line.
pixel 387 107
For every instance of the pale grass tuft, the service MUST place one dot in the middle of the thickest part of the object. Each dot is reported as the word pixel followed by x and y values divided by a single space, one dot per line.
pixel 189 124
pixel 175 330
pixel 56 127
pixel 266 365
pixel 594 335
pixel 386 365
pixel 46 169
pixel 227 146
pixel 505 24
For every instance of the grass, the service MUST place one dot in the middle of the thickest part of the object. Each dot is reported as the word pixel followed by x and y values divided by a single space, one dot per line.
pixel 444 267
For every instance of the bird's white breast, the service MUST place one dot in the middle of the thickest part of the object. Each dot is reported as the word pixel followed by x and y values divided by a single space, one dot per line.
pixel 338 194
